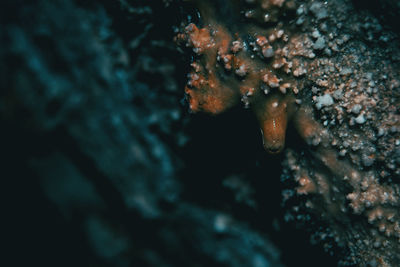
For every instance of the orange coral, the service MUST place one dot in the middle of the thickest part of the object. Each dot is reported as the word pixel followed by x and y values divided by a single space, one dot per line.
pixel 273 115
pixel 205 91
pixel 226 71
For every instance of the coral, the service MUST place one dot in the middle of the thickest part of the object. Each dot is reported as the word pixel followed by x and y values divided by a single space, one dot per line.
pixel 232 67
pixel 312 67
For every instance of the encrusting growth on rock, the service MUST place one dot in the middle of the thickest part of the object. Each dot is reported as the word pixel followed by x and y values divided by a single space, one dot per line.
pixel 229 68
pixel 205 90
pixel 293 63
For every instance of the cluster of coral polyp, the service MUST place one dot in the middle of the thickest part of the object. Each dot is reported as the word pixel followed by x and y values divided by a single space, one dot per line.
pixel 332 72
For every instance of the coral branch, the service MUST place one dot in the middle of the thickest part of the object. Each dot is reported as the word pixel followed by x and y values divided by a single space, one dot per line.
pixel 273 114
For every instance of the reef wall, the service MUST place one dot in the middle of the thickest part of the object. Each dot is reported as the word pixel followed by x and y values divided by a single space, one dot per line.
pixel 329 72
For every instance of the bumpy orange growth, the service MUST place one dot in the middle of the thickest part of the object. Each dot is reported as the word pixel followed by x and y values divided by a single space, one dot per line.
pixel 214 101
pixel 224 71
pixel 205 92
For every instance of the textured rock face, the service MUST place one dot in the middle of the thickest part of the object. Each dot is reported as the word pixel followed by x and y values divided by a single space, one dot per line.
pixel 103 166
pixel 340 68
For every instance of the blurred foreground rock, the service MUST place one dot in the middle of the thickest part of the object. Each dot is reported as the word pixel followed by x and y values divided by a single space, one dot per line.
pixel 91 131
